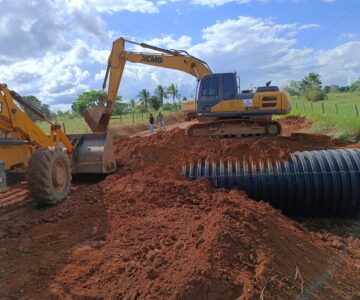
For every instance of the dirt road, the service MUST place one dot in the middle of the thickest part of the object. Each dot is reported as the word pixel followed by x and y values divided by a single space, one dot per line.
pixel 147 233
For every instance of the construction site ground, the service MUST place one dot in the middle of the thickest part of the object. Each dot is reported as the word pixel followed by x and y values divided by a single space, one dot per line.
pixel 145 232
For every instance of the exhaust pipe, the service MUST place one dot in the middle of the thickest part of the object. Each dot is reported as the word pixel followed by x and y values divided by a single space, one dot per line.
pixel 315 183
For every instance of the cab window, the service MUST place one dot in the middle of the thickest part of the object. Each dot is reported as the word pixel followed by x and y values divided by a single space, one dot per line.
pixel 228 86
pixel 210 87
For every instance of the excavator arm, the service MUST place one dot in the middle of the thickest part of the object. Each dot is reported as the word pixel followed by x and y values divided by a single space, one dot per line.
pixel 98 118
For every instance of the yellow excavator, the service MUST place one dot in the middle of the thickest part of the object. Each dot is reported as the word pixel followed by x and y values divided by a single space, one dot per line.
pixel 221 108
pixel 48 160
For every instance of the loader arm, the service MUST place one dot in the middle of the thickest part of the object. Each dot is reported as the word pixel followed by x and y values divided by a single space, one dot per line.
pixel 98 118
pixel 17 125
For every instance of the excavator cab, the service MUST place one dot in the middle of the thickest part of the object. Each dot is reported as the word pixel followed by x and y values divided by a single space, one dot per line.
pixel 214 89
pixel 219 97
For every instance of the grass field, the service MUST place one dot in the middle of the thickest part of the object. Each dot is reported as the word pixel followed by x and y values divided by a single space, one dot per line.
pixel 339 122
pixel 78 124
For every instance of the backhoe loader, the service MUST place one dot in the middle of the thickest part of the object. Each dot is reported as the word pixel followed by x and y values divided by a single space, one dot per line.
pixel 49 161
pixel 221 108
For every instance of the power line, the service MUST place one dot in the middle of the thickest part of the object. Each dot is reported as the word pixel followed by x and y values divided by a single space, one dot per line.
pixel 336 22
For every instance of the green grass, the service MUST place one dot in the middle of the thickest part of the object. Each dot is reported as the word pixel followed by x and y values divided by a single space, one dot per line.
pixel 344 123
pixel 78 124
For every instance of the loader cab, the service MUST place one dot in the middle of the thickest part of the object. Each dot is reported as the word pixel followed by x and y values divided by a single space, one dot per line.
pixel 215 88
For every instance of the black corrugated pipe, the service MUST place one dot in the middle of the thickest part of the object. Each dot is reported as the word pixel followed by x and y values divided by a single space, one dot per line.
pixel 310 183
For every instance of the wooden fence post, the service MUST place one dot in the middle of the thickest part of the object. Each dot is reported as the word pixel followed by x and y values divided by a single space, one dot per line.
pixel 356 111
pixel 323 107
pixel 336 108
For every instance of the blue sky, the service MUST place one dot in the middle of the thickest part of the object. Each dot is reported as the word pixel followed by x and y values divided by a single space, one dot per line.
pixel 56 49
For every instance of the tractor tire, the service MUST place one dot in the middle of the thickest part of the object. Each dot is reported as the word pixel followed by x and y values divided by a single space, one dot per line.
pixel 49 176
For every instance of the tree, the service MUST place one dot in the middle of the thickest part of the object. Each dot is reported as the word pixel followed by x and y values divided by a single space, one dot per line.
pixel 311 81
pixel 144 97
pixel 160 92
pixel 155 103
pixel 90 99
pixel 311 87
pixel 132 106
pixel 355 87
pixel 34 101
pixel 344 89
pixel 334 88
pixel 173 91
pixel 293 88
pixel 119 107
pixel 327 89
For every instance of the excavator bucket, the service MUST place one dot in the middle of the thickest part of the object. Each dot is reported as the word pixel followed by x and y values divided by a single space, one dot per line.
pixel 93 154
pixel 97 118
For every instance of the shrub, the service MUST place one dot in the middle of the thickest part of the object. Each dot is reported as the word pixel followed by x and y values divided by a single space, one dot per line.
pixel 315 94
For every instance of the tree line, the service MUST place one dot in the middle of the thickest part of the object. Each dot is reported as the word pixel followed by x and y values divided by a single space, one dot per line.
pixel 143 102
pixel 311 88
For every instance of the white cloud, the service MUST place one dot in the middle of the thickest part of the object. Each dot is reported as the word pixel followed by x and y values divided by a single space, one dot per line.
pixel 168 42
pixel 259 49
pixel 349 36
pixel 56 49
pixel 213 3
pixel 52 77
pixel 309 26
pixel 341 64
pixel 111 6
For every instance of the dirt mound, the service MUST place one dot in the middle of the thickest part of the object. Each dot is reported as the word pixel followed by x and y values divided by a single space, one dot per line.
pixel 174 239
pixel 292 124
pixel 174 148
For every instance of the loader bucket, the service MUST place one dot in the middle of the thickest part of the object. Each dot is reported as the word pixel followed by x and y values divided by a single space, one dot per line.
pixel 97 118
pixel 93 153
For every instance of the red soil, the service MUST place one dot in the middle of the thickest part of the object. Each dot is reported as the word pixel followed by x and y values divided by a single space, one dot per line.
pixel 147 233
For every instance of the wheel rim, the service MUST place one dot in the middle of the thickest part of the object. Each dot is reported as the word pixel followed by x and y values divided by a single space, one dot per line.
pixel 273 129
pixel 59 176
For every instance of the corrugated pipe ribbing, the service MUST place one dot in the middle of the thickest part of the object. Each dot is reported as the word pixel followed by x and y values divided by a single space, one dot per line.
pixel 310 183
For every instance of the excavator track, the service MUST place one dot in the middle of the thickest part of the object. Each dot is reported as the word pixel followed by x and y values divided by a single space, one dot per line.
pixel 235 128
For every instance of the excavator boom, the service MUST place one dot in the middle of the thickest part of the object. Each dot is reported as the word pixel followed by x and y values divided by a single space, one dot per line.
pixel 98 118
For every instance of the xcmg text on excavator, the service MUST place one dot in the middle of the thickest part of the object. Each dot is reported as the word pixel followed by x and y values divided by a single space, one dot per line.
pixel 221 108
pixel 48 160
